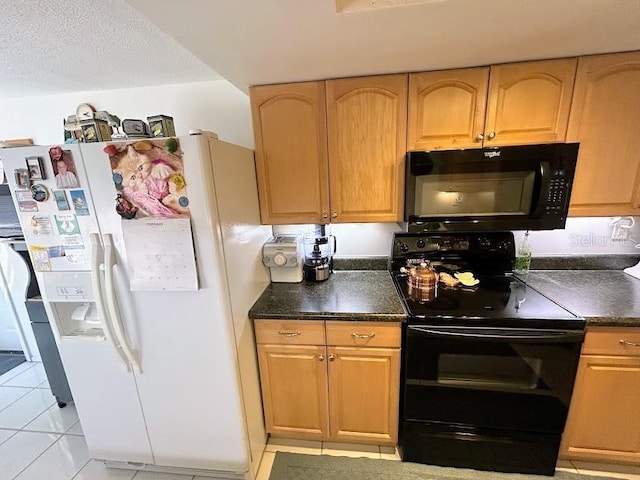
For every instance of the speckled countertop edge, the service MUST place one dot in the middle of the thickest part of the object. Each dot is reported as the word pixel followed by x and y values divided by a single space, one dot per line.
pixel 333 316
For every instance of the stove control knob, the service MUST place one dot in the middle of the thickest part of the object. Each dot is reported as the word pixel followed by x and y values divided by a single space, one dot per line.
pixel 404 248
pixel 484 243
pixel 280 259
pixel 503 246
pixel 420 243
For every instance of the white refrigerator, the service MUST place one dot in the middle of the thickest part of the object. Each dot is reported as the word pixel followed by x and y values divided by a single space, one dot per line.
pixel 163 380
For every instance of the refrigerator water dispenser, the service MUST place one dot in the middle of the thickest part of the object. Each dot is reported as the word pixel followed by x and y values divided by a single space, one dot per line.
pixel 72 301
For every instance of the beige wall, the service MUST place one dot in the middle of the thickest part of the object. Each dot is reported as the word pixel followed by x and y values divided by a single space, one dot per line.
pixel 216 106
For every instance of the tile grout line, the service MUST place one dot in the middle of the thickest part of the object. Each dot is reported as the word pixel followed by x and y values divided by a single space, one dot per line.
pixel 37 385
pixel 25 370
pixel 68 429
pixel 25 428
pixel 83 467
pixel 10 436
pixel 19 398
pixel 52 433
pixel 22 428
pixel 42 453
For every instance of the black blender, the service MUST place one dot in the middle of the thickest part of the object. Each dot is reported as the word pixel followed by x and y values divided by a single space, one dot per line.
pixel 319 249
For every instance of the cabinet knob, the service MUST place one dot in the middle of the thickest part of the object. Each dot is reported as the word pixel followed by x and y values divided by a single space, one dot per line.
pixel 325 214
pixel 321 358
pixel 331 357
pixel 629 344
pixel 492 135
pixel 334 215
pixel 479 137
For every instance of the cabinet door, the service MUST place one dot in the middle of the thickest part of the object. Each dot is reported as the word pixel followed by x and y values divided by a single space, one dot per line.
pixel 363 391
pixel 604 419
pixel 529 102
pixel 367 128
pixel 605 119
pixel 294 390
pixel 447 109
pixel 289 126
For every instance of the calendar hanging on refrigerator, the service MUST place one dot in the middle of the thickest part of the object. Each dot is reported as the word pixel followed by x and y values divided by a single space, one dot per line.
pixel 160 254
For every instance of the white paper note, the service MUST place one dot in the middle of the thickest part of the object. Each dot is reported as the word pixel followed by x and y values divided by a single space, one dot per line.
pixel 160 254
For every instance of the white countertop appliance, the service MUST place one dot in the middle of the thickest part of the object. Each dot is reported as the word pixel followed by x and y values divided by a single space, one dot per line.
pixel 163 380
pixel 283 255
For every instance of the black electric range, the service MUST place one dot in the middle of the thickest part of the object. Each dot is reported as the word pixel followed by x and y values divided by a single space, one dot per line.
pixel 497 301
pixel 488 371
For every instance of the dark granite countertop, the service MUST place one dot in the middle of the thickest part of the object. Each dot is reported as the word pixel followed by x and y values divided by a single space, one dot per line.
pixel 602 297
pixel 364 295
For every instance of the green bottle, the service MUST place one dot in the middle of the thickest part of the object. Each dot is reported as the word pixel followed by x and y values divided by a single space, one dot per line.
pixel 523 256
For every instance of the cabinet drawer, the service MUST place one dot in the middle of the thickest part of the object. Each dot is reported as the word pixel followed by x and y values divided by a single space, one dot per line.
pixel 290 332
pixel 612 341
pixel 363 334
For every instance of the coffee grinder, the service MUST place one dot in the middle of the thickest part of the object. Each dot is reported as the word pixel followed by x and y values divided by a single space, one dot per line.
pixel 319 248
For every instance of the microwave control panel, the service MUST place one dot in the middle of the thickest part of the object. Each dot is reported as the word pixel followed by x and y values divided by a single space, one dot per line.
pixel 557 196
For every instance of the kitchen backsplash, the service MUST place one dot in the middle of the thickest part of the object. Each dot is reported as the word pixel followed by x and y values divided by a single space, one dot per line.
pixel 582 236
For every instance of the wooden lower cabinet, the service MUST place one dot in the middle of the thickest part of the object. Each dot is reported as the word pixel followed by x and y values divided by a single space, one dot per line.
pixel 363 394
pixel 604 419
pixel 294 390
pixel 347 393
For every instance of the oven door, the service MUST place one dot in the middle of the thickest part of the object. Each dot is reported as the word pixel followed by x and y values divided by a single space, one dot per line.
pixel 510 188
pixel 515 379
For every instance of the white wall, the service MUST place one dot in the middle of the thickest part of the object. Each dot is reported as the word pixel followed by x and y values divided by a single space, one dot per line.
pixel 216 106
pixel 582 236
pixel 220 107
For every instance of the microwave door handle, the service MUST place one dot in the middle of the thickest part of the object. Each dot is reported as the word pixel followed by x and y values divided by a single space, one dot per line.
pixel 544 175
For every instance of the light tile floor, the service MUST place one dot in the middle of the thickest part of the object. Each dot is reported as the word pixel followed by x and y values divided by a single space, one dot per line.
pixel 40 441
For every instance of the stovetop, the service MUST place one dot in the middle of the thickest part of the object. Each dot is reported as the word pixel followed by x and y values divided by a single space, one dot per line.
pixel 499 300
pixel 496 302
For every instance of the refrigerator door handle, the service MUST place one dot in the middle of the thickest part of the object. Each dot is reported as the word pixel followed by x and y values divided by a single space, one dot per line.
pixel 97 257
pixel 112 304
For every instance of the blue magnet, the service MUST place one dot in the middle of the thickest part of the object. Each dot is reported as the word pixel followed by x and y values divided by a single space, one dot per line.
pixel 183 201
pixel 117 179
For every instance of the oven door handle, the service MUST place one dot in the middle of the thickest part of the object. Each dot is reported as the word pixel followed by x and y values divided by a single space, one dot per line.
pixel 515 335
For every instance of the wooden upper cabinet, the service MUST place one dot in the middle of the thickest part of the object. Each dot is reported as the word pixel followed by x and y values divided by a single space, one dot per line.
pixel 367 127
pixel 289 125
pixel 447 109
pixel 529 102
pixel 605 119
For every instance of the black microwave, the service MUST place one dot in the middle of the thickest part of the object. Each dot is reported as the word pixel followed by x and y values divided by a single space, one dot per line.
pixel 525 187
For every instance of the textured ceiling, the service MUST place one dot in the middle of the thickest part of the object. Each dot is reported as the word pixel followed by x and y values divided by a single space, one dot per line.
pixel 56 46
pixel 253 42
